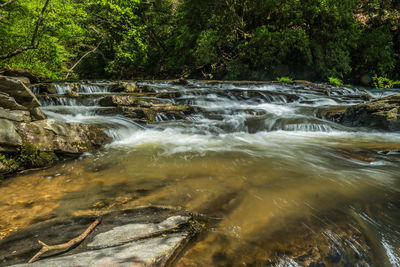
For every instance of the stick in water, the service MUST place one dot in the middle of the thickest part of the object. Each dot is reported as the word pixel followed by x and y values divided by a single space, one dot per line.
pixel 64 246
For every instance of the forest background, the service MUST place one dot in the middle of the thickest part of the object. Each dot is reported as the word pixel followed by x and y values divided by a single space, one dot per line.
pixel 353 40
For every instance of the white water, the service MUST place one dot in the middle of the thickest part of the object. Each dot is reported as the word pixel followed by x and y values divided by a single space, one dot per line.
pixel 289 168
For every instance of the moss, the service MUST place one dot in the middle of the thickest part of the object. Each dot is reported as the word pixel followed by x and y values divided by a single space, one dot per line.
pixel 45 159
pixel 27 156
pixel 392 114
pixel 150 114
pixel 182 107
pixel 76 144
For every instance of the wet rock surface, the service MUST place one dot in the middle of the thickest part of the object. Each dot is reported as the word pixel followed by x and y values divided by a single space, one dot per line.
pixel 144 237
pixel 59 137
pixel 28 139
pixel 380 114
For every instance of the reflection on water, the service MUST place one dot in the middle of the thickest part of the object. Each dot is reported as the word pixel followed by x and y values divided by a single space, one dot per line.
pixel 294 197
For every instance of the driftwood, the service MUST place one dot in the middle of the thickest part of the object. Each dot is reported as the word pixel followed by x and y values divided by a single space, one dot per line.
pixel 65 246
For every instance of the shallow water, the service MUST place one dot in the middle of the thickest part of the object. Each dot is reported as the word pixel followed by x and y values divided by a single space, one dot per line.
pixel 277 185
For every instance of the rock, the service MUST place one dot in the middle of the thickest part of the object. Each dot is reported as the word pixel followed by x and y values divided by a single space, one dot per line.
pixel 3 168
pixel 72 93
pixel 116 100
pixel 180 81
pixel 9 102
pixel 334 113
pixel 128 232
pixel 381 114
pixel 21 73
pixel 48 88
pixel 24 80
pixel 162 236
pixel 9 137
pixel 151 113
pixel 38 114
pixel 307 83
pixel 125 87
pixel 60 137
pixel 15 115
pixel 16 89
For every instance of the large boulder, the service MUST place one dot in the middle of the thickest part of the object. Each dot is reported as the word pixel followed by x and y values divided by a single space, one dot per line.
pixel 148 236
pixel 124 87
pixel 27 145
pixel 22 94
pixel 116 100
pixel 15 95
pixel 8 102
pixel 60 137
pixel 20 73
pixel 382 114
pixel 9 138
pixel 15 115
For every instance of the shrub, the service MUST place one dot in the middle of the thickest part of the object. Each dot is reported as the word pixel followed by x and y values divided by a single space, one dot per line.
pixel 335 81
pixel 383 83
pixel 284 79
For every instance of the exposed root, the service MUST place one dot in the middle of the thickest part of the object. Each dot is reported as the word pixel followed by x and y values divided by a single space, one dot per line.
pixel 64 246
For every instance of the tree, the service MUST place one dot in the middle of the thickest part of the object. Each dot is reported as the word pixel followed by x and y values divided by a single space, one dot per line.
pixel 33 43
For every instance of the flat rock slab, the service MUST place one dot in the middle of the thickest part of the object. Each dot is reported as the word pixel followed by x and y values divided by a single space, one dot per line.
pixel 141 237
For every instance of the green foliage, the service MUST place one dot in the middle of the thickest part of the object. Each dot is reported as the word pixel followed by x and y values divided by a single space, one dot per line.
pixel 335 81
pixel 384 83
pixel 284 79
pixel 226 39
pixel 27 156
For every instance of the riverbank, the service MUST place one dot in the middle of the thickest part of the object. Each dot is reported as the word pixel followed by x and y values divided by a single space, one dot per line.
pixel 30 140
pixel 271 179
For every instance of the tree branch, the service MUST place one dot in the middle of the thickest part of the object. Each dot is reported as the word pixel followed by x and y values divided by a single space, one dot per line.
pixel 33 44
pixel 64 246
pixel 79 61
pixel 7 3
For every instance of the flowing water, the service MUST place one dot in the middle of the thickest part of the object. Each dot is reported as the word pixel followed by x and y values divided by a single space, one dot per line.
pixel 277 185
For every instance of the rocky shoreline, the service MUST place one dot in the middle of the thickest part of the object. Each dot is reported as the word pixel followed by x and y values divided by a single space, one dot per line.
pixel 28 139
pixel 379 114
pixel 149 236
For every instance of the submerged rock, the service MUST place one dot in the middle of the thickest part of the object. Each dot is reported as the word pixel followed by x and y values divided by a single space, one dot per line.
pixel 151 113
pixel 143 237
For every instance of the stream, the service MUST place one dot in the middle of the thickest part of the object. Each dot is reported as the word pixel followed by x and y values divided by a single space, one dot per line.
pixel 277 185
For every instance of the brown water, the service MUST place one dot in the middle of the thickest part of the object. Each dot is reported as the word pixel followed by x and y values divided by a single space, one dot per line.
pixel 286 194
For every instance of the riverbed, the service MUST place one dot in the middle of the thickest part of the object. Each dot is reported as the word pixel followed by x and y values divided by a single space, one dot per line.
pixel 277 185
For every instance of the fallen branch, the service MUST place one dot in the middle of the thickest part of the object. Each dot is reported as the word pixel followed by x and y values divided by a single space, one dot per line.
pixel 45 248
